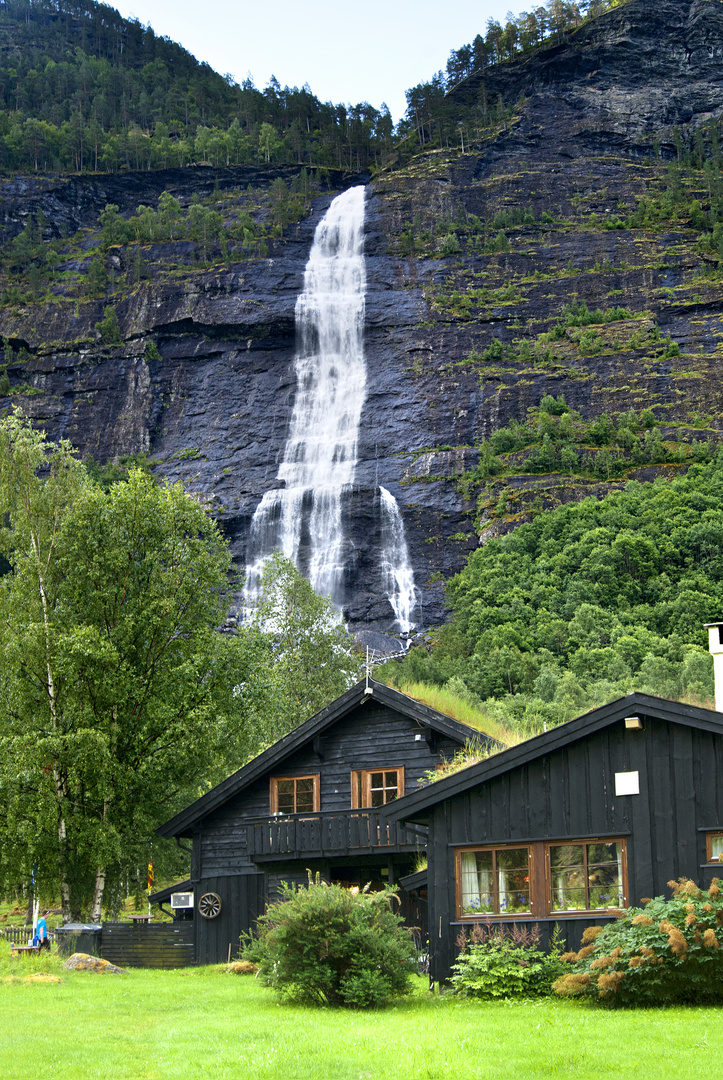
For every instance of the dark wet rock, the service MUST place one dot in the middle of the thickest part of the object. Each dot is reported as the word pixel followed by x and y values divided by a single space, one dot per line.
pixel 214 411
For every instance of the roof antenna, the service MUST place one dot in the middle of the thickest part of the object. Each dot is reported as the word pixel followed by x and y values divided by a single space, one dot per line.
pixel 370 660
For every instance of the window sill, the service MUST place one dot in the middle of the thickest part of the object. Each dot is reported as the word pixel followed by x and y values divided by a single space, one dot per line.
pixel 601 913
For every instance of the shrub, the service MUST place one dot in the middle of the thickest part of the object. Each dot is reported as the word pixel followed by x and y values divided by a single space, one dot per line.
pixel 328 945
pixel 108 327
pixel 665 953
pixel 505 962
pixel 151 351
pixel 450 245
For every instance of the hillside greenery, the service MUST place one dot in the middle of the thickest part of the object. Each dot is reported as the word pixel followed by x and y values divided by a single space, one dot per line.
pixel 587 603
pixel 83 89
pixel 434 115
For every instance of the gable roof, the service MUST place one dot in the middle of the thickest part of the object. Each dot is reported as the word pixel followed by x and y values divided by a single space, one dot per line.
pixel 316 725
pixel 417 804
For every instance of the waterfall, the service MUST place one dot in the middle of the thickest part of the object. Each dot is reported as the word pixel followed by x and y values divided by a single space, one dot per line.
pixel 303 518
pixel 397 572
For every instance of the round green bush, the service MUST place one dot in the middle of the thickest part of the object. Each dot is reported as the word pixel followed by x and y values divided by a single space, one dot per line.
pixel 327 945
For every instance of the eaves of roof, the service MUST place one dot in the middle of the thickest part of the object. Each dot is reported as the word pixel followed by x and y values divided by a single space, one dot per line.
pixel 182 823
pixel 164 895
pixel 416 805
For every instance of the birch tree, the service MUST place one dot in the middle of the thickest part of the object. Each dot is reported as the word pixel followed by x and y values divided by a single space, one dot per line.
pixel 119 698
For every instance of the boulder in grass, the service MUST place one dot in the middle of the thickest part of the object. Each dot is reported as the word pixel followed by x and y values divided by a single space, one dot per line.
pixel 81 961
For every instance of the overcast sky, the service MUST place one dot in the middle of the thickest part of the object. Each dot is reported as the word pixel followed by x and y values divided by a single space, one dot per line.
pixel 371 51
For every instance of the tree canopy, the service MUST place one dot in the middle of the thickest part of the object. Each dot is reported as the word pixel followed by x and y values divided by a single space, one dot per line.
pixel 119 697
pixel 590 601
pixel 309 659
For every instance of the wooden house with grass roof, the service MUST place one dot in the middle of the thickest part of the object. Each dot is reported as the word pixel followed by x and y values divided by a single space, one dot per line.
pixel 313 802
pixel 561 830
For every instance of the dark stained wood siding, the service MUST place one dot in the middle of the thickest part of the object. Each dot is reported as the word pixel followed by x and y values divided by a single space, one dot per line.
pixel 242 901
pixel 372 736
pixel 570 793
pixel 170 945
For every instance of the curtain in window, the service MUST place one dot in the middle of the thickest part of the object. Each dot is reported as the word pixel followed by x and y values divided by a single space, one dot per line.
pixel 476 875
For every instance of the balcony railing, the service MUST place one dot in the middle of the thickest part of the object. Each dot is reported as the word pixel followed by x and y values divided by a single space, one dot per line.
pixel 333 833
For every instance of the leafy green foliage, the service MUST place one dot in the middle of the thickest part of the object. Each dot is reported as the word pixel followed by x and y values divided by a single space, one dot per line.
pixel 327 945
pixel 667 952
pixel 309 659
pixel 556 438
pixel 105 475
pixel 504 963
pixel 108 327
pixel 116 690
pixel 588 602
pixel 578 314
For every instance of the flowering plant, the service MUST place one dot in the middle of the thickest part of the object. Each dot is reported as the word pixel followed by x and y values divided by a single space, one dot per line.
pixel 666 952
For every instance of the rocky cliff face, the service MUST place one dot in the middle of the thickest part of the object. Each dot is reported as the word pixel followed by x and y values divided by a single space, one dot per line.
pixel 577 153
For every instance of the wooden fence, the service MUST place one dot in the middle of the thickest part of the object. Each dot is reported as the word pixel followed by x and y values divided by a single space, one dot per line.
pixel 166 945
pixel 19 935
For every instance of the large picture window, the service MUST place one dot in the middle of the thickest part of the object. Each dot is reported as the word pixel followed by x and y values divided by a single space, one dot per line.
pixel 541 879
pixel 376 787
pixel 294 794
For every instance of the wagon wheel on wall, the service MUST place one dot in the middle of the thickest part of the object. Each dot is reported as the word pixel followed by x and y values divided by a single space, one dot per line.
pixel 209 905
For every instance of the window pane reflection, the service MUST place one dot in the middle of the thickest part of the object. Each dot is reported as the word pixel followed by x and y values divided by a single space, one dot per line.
pixel 586 876
pixel 495 882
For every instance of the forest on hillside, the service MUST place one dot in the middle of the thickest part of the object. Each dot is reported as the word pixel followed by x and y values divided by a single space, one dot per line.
pixel 82 89
pixel 586 603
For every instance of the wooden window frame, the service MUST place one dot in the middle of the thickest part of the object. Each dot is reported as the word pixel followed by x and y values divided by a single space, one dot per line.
pixel 361 782
pixel 274 793
pixel 540 876
pixel 709 838
pixel 585 842
pixel 486 916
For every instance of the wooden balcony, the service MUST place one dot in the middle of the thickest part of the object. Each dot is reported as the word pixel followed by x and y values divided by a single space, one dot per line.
pixel 353 832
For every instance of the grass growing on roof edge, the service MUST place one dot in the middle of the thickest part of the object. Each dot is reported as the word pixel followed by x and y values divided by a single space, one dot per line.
pixel 445 701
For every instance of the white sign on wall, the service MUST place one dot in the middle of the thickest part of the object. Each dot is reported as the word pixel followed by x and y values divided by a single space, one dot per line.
pixel 627 783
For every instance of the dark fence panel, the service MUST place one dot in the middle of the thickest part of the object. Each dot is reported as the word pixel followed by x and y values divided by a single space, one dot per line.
pixel 170 945
pixel 19 935
pixel 242 901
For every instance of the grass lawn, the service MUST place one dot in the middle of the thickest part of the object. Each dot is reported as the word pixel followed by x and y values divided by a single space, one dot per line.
pixel 202 1022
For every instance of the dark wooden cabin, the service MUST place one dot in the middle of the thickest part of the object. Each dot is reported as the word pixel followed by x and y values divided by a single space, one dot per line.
pixel 597 813
pixel 312 801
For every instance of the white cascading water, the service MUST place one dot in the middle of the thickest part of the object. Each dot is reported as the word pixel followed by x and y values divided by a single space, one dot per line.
pixel 321 450
pixel 397 572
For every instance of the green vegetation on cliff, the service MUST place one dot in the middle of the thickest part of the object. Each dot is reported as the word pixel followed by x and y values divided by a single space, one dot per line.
pixel 586 603
pixel 112 259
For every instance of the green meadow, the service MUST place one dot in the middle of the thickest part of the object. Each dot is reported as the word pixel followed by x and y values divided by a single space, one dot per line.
pixel 162 1025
